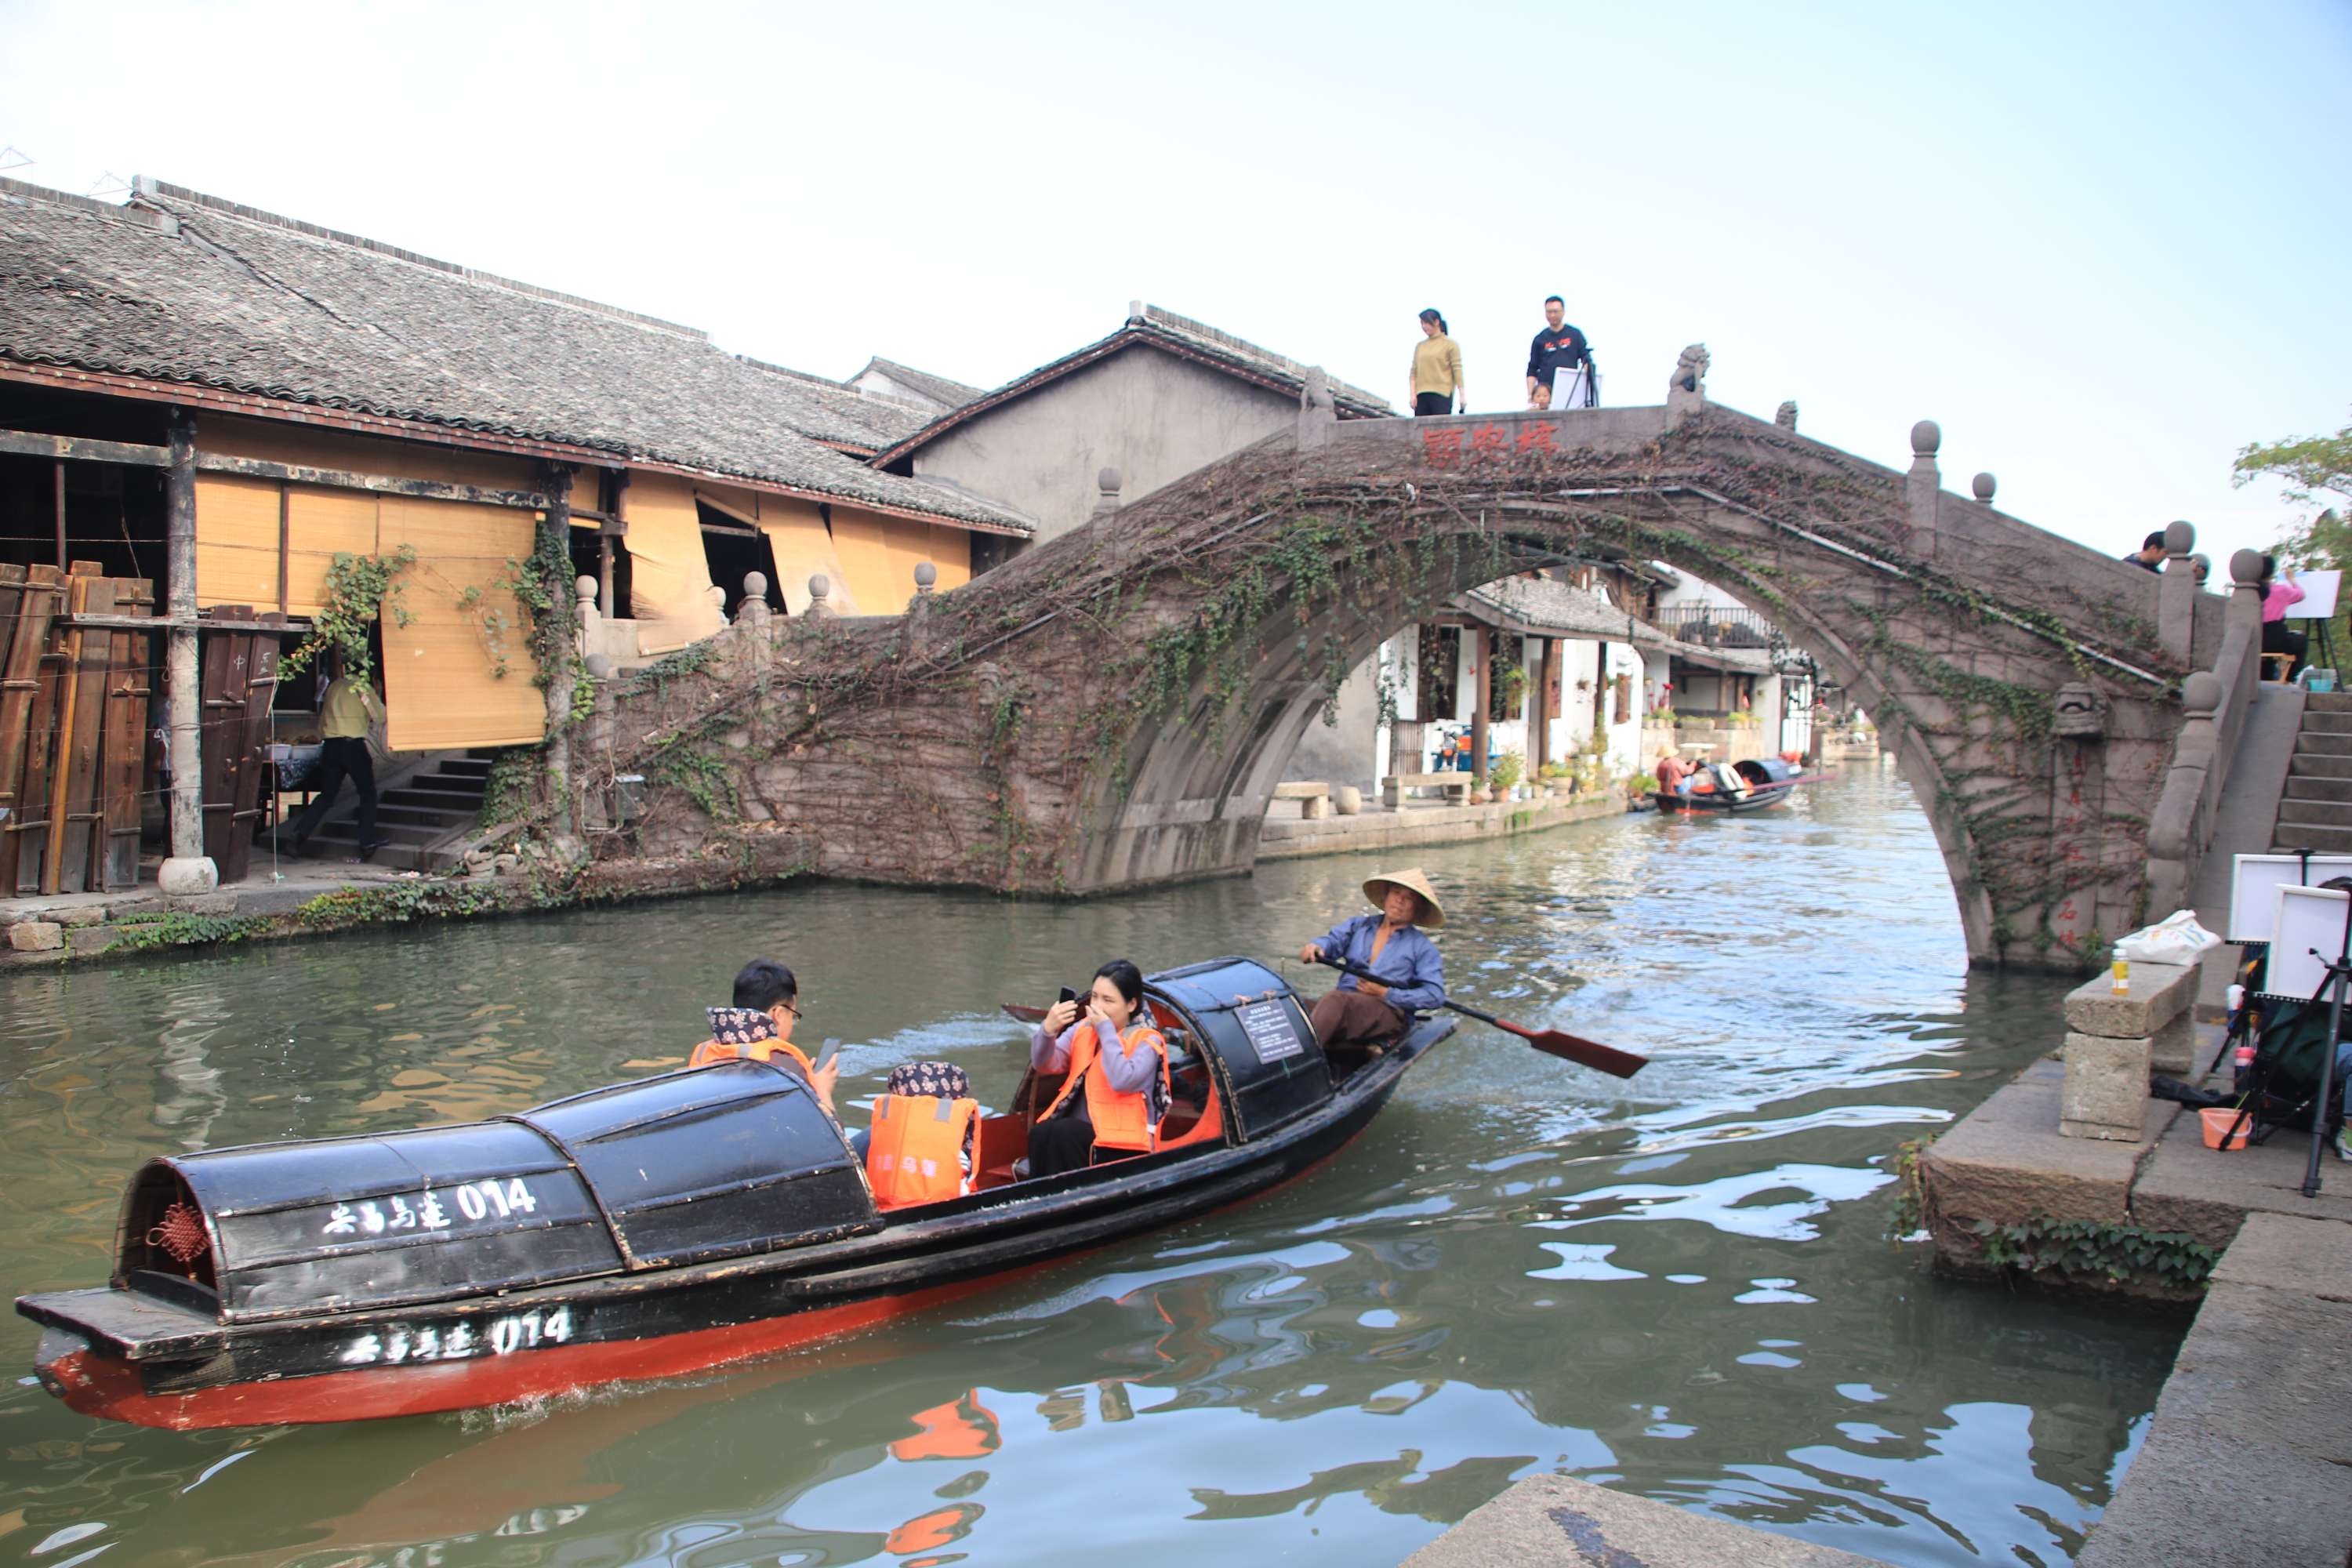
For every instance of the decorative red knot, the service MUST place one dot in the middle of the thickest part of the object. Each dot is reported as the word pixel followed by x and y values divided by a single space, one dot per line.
pixel 181 1234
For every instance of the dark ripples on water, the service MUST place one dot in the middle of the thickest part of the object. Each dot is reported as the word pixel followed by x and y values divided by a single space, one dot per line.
pixel 1678 1288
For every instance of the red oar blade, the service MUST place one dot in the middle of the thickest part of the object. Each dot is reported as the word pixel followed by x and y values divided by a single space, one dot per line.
pixel 1583 1052
pixel 1026 1014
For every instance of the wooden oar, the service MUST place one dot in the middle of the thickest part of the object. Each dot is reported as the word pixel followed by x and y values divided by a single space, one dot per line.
pixel 1021 1014
pixel 1570 1047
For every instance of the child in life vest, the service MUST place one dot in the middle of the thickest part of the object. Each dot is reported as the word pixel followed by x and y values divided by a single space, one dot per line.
pixel 1117 1089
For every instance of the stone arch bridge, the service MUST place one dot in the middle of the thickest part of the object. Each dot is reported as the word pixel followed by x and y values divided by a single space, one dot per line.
pixel 1114 709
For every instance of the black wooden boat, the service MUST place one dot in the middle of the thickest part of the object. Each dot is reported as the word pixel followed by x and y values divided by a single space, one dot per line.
pixel 645 1230
pixel 1753 784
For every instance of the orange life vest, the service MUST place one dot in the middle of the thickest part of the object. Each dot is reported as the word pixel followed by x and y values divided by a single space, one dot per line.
pixel 914 1152
pixel 711 1052
pixel 1121 1121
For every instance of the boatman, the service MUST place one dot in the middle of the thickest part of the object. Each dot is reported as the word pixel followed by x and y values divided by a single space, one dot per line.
pixel 758 1028
pixel 1357 1019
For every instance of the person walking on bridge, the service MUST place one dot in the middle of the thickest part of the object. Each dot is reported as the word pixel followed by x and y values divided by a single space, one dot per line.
pixel 2150 553
pixel 1561 372
pixel 1436 369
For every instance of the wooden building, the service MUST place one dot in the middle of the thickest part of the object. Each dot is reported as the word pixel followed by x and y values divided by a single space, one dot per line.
pixel 214 403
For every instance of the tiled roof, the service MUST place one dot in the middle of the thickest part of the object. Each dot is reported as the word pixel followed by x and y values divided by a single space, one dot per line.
pixel 183 288
pixel 938 388
pixel 1149 326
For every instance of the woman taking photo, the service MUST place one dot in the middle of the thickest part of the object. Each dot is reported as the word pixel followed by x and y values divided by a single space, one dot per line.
pixel 1116 1089
pixel 1436 369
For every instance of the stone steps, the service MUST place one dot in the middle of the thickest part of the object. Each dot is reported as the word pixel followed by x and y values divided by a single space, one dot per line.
pixel 2321 813
pixel 2326 720
pixel 2322 742
pixel 2294 835
pixel 2315 788
pixel 2317 765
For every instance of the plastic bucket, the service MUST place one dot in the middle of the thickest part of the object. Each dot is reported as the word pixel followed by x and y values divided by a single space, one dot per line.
pixel 2320 683
pixel 2218 1119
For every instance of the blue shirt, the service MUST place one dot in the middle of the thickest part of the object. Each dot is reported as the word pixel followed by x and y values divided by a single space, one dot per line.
pixel 1409 966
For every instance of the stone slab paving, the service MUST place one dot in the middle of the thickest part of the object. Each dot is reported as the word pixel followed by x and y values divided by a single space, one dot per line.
pixel 1288 838
pixel 2007 1159
pixel 2183 1185
pixel 2249 1459
pixel 1559 1522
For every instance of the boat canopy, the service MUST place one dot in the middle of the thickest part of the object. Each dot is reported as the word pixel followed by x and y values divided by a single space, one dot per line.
pixel 681 1168
pixel 1248 1022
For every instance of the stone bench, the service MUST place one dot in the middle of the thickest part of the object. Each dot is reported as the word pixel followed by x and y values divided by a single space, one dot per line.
pixel 2114 1042
pixel 1315 799
pixel 1392 788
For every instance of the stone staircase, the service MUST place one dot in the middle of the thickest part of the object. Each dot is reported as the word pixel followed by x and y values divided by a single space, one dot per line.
pixel 417 813
pixel 2316 811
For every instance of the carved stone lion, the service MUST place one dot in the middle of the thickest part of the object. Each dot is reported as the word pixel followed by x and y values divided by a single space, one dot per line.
pixel 1786 419
pixel 1690 371
pixel 2080 714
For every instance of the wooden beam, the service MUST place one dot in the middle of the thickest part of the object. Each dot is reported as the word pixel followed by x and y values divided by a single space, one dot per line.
pixel 285 538
pixel 74 449
pixel 200 623
pixel 380 484
pixel 61 514
pixel 184 869
pixel 1481 688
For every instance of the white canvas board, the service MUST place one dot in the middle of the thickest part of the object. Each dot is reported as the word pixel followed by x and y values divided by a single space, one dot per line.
pixel 2309 935
pixel 2255 882
pixel 2318 601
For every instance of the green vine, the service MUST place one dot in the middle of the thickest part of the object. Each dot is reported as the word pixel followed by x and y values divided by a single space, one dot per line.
pixel 506 792
pixel 2088 1249
pixel 359 588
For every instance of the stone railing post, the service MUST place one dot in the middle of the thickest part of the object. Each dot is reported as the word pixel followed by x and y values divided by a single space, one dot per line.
pixel 919 608
pixel 1107 484
pixel 1923 487
pixel 1982 487
pixel 2177 827
pixel 820 605
pixel 588 621
pixel 2176 596
pixel 753 632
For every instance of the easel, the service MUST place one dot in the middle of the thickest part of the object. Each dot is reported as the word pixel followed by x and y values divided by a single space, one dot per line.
pixel 2340 970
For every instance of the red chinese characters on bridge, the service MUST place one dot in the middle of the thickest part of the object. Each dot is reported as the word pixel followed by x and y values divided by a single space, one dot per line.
pixel 1488 443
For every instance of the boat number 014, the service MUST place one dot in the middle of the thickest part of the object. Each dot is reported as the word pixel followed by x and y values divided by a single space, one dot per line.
pixel 401 1343
pixel 475 1200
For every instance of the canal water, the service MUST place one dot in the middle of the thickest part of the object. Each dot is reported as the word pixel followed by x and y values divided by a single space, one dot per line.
pixel 1681 1287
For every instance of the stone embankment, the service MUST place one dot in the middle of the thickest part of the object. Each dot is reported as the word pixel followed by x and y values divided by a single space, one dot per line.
pixel 2073 1176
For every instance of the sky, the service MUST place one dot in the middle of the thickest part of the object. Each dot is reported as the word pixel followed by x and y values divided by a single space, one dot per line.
pixel 2103 246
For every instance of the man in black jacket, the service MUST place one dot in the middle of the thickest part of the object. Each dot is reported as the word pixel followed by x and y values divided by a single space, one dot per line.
pixel 1560 348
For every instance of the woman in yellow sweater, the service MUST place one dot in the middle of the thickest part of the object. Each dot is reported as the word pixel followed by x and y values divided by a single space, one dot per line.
pixel 1436 369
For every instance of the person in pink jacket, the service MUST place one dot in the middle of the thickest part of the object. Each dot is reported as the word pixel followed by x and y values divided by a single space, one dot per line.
pixel 2277 637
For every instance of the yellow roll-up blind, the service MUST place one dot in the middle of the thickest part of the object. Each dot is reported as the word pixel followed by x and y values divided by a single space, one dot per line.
pixel 669 575
pixel 236 542
pixel 442 685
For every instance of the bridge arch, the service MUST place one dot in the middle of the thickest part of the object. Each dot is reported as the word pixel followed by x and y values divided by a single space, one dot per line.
pixel 1114 707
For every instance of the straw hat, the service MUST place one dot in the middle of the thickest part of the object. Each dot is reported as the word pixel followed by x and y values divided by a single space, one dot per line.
pixel 1411 880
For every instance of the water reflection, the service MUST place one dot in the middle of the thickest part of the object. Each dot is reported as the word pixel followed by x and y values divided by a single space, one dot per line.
pixel 1679 1287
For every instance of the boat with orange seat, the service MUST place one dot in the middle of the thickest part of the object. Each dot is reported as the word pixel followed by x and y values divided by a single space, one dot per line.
pixel 649 1229
pixel 1753 783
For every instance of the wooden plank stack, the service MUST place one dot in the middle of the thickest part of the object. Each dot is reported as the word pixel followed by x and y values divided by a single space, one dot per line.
pixel 73 722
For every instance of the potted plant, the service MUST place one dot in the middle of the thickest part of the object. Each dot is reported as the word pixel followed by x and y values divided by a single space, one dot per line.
pixel 1505 773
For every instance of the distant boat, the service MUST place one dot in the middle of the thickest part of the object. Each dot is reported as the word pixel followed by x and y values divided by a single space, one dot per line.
pixel 1750 785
